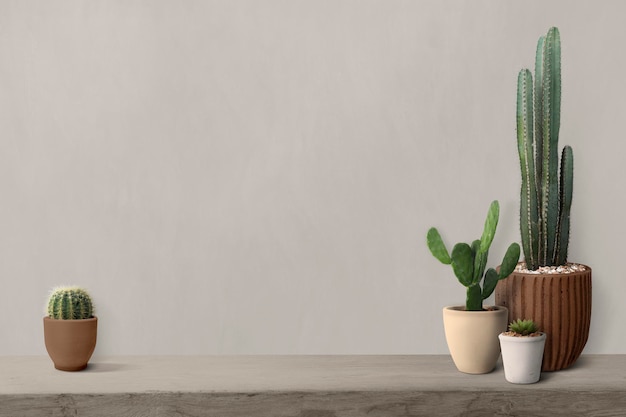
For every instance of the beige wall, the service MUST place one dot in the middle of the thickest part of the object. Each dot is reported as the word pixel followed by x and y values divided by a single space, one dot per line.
pixel 259 176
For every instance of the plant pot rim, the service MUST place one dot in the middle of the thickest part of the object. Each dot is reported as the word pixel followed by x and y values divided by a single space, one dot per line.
pixel 523 339
pixel 71 320
pixel 461 309
pixel 556 274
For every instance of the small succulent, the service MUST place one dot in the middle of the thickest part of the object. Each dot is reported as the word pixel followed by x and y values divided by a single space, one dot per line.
pixel 523 327
pixel 70 303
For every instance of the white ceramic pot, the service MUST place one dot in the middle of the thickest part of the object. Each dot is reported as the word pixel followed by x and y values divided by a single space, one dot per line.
pixel 522 358
pixel 472 337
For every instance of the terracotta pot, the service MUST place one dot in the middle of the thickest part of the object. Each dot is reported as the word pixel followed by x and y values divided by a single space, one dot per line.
pixel 560 304
pixel 70 343
pixel 521 357
pixel 472 337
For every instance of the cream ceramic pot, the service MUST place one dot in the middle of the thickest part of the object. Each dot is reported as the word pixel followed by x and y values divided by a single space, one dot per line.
pixel 472 337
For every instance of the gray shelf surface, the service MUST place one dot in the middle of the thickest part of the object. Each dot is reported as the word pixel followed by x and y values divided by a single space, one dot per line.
pixel 304 386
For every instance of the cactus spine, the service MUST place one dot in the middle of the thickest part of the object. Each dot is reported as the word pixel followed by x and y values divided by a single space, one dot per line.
pixel 469 262
pixel 546 197
pixel 70 303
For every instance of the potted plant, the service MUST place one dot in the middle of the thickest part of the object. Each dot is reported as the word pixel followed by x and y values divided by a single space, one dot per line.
pixel 472 330
pixel 522 352
pixel 70 329
pixel 554 292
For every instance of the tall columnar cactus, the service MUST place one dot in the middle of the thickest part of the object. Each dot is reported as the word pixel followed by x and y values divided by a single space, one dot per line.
pixel 469 262
pixel 70 303
pixel 546 197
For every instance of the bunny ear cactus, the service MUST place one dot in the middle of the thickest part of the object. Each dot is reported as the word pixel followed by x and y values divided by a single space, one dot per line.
pixel 546 196
pixel 70 303
pixel 469 261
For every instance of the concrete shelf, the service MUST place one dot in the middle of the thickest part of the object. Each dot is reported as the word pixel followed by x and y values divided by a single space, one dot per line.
pixel 303 386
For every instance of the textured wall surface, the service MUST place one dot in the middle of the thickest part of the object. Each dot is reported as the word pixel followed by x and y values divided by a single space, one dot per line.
pixel 258 176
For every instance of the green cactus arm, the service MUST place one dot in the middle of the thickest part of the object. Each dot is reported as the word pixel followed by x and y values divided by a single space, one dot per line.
pixel 511 257
pixel 481 247
pixel 491 223
pixel 529 208
pixel 566 190
pixel 538 110
pixel 551 121
pixel 437 247
pixel 480 262
pixel 552 65
pixel 474 299
pixel 489 283
pixel 509 262
pixel 463 263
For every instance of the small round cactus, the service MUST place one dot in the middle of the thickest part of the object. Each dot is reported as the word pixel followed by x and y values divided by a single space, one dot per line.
pixel 70 303
pixel 523 327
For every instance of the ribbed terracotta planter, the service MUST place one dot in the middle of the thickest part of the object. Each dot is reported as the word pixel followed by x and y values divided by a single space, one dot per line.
pixel 560 304
pixel 70 343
